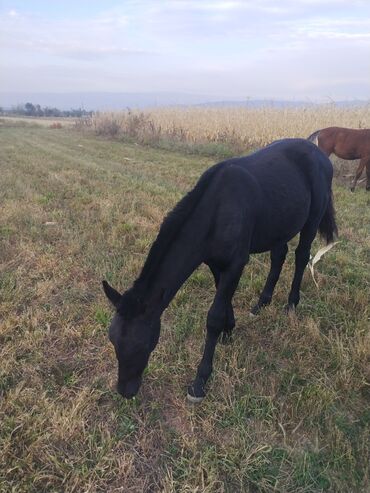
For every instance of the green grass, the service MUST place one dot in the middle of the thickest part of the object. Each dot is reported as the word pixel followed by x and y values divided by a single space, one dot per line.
pixel 287 409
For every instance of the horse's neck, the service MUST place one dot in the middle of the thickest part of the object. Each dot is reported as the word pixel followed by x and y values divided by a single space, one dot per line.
pixel 177 264
pixel 179 248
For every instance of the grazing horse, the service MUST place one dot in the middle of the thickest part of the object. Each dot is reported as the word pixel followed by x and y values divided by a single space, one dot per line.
pixel 240 206
pixel 346 143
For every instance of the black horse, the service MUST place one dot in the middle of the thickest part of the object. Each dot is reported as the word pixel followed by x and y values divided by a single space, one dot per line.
pixel 241 206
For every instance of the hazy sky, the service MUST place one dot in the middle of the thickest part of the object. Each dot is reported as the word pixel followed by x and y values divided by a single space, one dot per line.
pixel 293 49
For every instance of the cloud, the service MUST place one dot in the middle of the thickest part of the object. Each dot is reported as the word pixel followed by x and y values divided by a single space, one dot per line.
pixel 221 46
pixel 77 38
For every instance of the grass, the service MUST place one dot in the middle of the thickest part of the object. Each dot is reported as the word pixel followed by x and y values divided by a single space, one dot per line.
pixel 287 409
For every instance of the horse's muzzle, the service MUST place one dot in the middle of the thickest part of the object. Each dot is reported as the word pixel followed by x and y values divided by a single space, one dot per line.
pixel 129 389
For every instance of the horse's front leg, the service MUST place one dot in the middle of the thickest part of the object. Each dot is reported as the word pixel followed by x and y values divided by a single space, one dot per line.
pixel 196 390
pixel 217 321
pixel 226 336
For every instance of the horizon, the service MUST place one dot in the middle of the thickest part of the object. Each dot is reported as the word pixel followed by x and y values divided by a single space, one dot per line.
pixel 306 50
pixel 111 101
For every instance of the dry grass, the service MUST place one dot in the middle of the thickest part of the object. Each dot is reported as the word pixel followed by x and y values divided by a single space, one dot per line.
pixel 288 404
pixel 44 121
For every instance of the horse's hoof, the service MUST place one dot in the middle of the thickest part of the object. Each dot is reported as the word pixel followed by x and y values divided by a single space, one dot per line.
pixel 258 306
pixel 352 189
pixel 193 399
pixel 226 339
pixel 195 393
pixel 255 310
pixel 290 309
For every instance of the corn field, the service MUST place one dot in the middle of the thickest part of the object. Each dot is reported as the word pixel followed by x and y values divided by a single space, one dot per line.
pixel 240 128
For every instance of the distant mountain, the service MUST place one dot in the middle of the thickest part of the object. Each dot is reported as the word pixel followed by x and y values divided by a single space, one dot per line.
pixel 103 100
pixel 279 103
pixel 257 103
pixel 118 101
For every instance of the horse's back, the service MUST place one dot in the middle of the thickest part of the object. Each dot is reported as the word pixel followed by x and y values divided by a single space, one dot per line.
pixel 282 185
pixel 286 160
pixel 346 143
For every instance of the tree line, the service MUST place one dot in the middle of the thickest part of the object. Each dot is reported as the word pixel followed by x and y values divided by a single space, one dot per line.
pixel 29 109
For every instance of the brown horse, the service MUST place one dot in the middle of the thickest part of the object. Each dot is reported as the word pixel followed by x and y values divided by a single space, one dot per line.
pixel 346 143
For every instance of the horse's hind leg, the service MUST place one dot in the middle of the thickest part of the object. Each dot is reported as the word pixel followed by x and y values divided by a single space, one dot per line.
pixel 368 174
pixel 302 256
pixel 230 319
pixel 277 257
pixel 359 171
pixel 216 321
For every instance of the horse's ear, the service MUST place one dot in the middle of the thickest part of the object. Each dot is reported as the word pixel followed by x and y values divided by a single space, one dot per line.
pixel 112 295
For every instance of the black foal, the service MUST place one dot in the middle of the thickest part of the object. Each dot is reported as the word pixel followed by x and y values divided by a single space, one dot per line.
pixel 238 207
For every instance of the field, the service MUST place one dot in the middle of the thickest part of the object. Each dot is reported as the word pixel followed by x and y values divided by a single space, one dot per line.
pixel 225 130
pixel 39 121
pixel 288 404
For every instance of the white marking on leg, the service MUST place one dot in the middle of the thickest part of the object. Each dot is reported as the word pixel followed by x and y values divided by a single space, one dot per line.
pixel 193 399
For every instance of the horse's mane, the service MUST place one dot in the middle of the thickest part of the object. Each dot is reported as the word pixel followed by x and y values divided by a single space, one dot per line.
pixel 131 300
pixel 173 223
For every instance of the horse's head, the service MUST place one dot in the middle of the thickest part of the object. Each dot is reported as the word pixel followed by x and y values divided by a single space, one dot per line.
pixel 134 337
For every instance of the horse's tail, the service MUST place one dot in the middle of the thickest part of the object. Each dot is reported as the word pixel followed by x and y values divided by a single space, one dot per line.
pixel 328 227
pixel 314 137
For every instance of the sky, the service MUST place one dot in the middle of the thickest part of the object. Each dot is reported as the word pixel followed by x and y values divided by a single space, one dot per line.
pixel 289 49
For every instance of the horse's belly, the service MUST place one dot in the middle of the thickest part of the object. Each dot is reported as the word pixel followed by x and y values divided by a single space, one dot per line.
pixel 348 153
pixel 266 244
pixel 278 228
